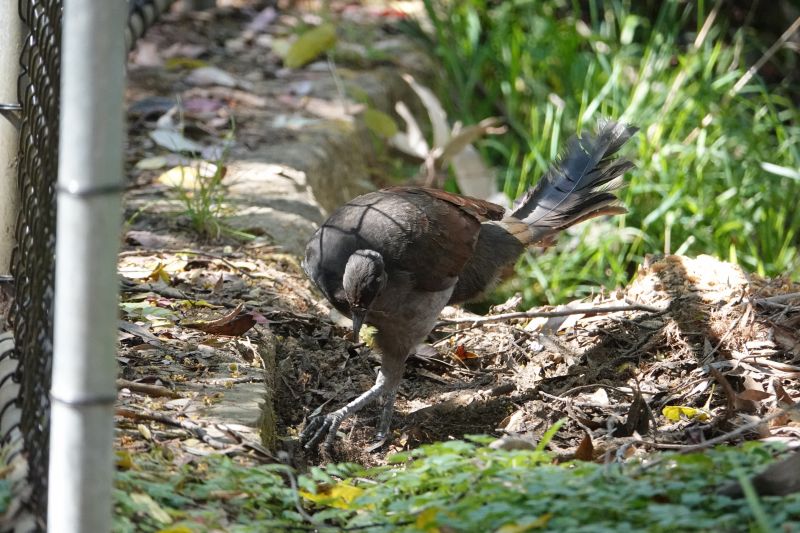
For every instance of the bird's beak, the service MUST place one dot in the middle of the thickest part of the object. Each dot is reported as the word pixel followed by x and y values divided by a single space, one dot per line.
pixel 358 321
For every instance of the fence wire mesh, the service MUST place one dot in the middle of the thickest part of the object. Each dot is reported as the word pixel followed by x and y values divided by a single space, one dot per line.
pixel 33 262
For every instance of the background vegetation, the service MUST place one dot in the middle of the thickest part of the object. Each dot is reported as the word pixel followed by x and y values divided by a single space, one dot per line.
pixel 719 153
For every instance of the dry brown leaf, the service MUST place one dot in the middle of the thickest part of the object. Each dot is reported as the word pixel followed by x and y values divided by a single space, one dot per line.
pixel 638 420
pixel 462 354
pixel 585 450
pixel 753 395
pixel 233 324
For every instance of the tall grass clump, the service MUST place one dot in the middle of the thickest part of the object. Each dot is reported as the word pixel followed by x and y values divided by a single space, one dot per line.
pixel 719 153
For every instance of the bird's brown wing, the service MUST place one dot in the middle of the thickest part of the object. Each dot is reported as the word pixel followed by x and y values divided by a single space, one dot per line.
pixel 446 229
pixel 480 209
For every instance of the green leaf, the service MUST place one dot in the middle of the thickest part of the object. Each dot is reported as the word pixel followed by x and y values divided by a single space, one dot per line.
pixel 310 45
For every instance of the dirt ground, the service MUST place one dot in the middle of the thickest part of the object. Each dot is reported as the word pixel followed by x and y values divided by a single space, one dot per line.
pixel 716 345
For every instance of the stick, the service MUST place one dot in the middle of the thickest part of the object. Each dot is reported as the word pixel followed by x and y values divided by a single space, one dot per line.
pixel 779 298
pixel 146 388
pixel 188 425
pixel 589 311
pixel 725 437
pixel 766 57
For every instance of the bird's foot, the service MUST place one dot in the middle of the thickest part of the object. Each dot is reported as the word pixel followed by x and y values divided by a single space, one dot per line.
pixel 320 426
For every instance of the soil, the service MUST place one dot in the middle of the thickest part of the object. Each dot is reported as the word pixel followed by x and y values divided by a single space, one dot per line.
pixel 707 337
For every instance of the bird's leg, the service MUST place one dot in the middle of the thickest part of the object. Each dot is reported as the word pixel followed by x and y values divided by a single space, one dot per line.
pixel 386 414
pixel 392 369
pixel 387 383
pixel 327 426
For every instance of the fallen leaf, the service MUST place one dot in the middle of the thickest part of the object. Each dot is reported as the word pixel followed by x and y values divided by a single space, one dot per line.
pixel 462 354
pixel 176 529
pixel 178 63
pixel 200 106
pixel 310 45
pixel 783 397
pixel 174 141
pixel 152 508
pixel 599 397
pixel 509 442
pixel 263 20
pixel 340 495
pixel 189 177
pixel 638 420
pixel 585 450
pixel 124 460
pixel 151 163
pixel 678 412
pixel 233 324
pixel 753 395
pixel 144 431
pixel 159 274
pixel 148 239
pixel 185 50
pixel 139 331
pixel 426 520
pixel 208 76
pixel 528 525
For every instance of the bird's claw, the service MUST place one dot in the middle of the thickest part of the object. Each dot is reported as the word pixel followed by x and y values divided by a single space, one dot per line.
pixel 377 442
pixel 318 427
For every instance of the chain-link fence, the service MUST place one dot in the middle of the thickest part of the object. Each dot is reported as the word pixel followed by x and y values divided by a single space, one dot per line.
pixel 33 262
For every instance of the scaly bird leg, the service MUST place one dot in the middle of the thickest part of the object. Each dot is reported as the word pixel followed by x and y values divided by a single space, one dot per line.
pixel 327 426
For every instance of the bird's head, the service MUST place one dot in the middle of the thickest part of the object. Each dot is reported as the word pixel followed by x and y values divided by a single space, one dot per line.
pixel 364 279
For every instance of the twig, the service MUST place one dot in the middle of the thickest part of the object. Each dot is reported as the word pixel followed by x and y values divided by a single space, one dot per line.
pixel 230 381
pixel 211 255
pixel 148 389
pixel 188 425
pixel 778 298
pixel 286 460
pixel 766 57
pixel 725 437
pixel 746 77
pixel 589 311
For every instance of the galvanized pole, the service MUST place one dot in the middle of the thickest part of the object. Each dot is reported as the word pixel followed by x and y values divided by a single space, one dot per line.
pixel 86 299
pixel 10 47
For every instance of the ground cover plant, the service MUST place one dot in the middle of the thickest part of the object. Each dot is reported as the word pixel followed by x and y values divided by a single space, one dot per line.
pixel 453 486
pixel 719 151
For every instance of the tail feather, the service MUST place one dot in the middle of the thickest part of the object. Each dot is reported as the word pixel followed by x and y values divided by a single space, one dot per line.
pixel 579 186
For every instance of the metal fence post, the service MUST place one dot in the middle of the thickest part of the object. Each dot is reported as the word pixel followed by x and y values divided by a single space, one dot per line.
pixel 10 47
pixel 88 225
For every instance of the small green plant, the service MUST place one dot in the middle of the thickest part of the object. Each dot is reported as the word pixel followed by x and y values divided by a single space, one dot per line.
pixel 200 189
pixel 202 194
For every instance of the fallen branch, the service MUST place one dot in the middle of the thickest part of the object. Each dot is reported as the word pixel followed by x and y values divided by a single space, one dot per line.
pixel 146 388
pixel 778 298
pixel 188 425
pixel 588 311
